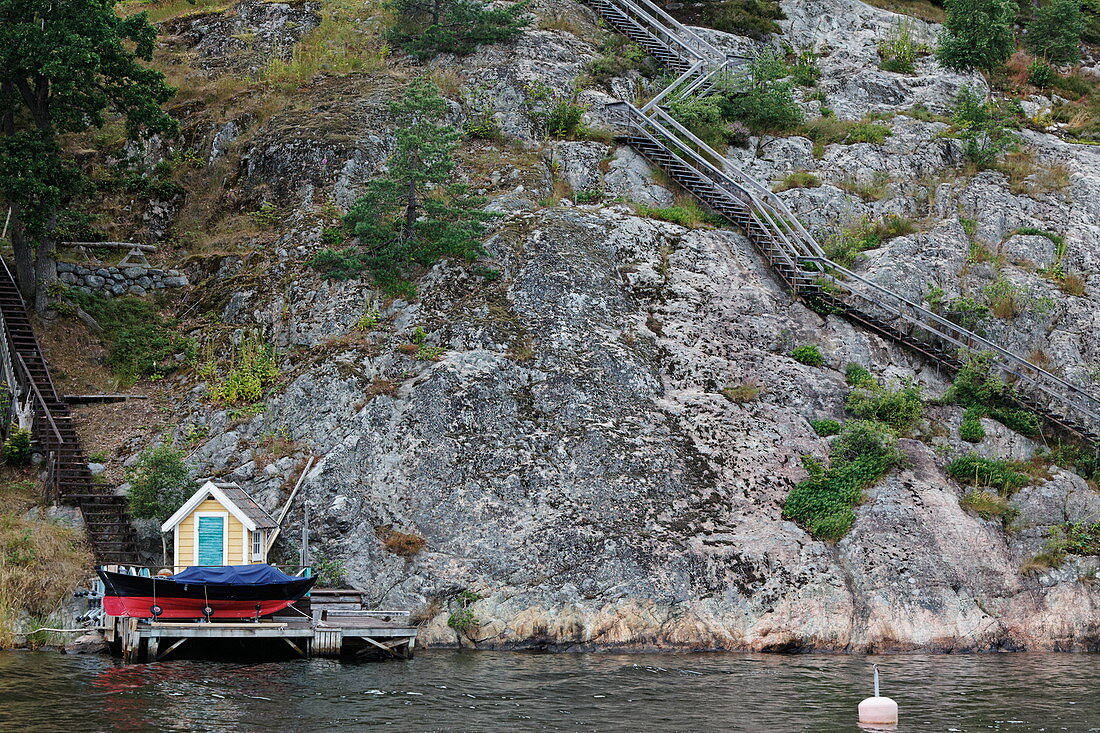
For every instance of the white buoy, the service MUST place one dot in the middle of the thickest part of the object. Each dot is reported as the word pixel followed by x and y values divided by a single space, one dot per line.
pixel 878 710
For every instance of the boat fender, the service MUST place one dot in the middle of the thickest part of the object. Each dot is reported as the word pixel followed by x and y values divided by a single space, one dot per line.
pixel 156 611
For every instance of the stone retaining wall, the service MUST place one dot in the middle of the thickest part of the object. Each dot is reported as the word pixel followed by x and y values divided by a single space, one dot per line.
pixel 129 280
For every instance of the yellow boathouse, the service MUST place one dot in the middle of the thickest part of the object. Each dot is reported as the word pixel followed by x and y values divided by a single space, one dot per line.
pixel 219 525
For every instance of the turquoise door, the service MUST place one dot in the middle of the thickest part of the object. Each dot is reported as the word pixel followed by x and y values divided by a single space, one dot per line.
pixel 211 540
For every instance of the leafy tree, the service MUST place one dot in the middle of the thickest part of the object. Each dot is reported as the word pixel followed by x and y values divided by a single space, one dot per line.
pixel 63 67
pixel 425 28
pixel 413 213
pixel 1055 32
pixel 977 34
pixel 159 483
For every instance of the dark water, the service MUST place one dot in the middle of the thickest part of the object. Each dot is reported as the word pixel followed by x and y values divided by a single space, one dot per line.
pixel 483 691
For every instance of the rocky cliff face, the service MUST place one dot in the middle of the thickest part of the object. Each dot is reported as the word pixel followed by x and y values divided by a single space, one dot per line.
pixel 566 452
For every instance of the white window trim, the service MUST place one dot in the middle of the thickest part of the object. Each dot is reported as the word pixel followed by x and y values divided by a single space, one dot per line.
pixel 257 539
pixel 225 534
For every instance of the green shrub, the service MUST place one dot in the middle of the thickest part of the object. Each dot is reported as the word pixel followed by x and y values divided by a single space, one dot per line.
pixel 977 471
pixel 809 354
pixel 845 248
pixel 858 376
pixel 268 216
pixel 798 179
pixel 463 619
pixel 252 369
pixel 686 215
pixel 825 427
pixel 823 503
pixel 702 115
pixel 984 128
pixel 141 343
pixel 564 119
pixel 617 57
pixel 762 101
pixel 1077 458
pixel 1040 74
pixel 345 264
pixel 804 71
pixel 971 429
pixel 17 448
pixel 160 482
pixel 1082 538
pixel 899 51
pixel 828 130
pixel 900 408
pixel 867 132
pixel 976 389
pixel 330 571
pixel 588 196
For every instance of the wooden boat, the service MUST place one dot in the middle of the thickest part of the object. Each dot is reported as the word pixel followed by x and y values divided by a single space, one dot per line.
pixel 231 591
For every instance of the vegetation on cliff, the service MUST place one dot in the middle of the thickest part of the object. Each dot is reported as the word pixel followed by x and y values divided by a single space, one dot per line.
pixel 414 214
pixel 63 68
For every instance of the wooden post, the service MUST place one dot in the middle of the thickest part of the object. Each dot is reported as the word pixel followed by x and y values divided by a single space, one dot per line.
pixel 152 649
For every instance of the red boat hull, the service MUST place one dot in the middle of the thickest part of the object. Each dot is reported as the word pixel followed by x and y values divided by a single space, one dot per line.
pixel 139 607
pixel 137 596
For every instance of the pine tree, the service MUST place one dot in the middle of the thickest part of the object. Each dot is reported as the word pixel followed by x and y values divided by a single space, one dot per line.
pixel 1055 32
pixel 425 28
pixel 977 34
pixel 63 66
pixel 413 213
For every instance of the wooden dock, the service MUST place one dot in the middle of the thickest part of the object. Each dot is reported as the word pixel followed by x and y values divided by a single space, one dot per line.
pixel 328 633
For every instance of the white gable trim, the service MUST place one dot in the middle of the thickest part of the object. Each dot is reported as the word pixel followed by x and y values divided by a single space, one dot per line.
pixel 211 490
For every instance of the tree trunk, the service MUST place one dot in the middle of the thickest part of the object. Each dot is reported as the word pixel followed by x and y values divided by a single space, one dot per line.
pixel 24 257
pixel 410 212
pixel 45 270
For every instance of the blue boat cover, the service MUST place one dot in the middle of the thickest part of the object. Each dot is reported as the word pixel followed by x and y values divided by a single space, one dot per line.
pixel 258 574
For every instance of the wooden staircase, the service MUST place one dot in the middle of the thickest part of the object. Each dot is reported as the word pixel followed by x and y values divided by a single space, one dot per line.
pixel 68 478
pixel 793 255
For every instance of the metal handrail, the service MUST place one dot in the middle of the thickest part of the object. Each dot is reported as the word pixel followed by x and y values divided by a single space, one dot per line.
pixel 798 247
pixel 963 337
pixel 669 22
pixel 41 400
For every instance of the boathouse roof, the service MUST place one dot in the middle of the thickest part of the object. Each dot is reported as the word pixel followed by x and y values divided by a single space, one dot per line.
pixel 233 498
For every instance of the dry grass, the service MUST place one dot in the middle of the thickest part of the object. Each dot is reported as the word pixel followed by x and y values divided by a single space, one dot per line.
pixel 380 386
pixel 522 350
pixel 558 21
pixel 41 563
pixel 1072 284
pixel 347 41
pixel 1040 358
pixel 748 391
pixel 400 543
pixel 159 10
pixel 1018 167
pixel 1054 177
pixel 561 190
pixel 449 82
pixel 923 9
